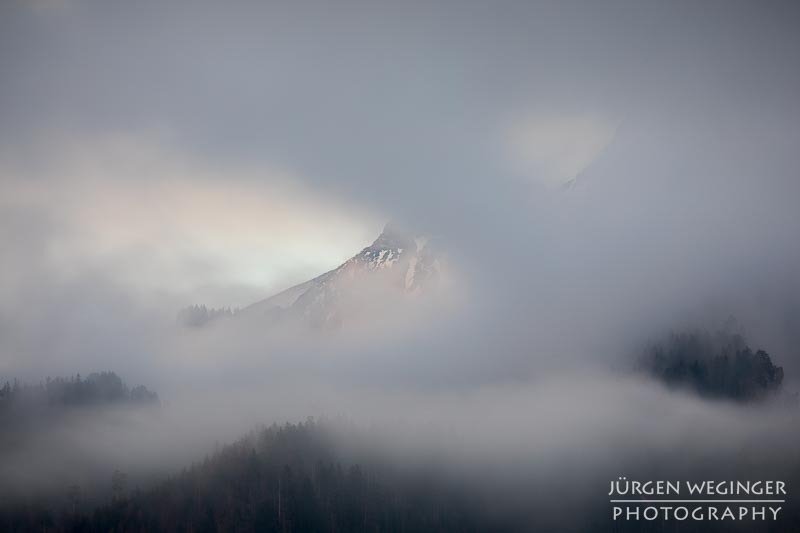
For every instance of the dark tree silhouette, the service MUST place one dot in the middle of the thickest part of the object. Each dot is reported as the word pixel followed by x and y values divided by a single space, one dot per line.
pixel 721 365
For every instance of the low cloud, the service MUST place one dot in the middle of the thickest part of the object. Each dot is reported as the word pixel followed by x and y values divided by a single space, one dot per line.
pixel 554 149
pixel 158 219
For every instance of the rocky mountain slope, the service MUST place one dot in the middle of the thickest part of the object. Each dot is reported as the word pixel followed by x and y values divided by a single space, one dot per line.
pixel 394 265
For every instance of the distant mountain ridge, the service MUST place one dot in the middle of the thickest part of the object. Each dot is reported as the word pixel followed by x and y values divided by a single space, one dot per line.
pixel 394 265
pixel 397 262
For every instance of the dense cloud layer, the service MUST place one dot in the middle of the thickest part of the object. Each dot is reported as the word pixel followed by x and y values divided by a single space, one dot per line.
pixel 292 129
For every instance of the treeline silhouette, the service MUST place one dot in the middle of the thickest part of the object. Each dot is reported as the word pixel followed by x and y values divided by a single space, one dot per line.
pixel 200 315
pixel 285 479
pixel 96 389
pixel 719 365
pixel 310 477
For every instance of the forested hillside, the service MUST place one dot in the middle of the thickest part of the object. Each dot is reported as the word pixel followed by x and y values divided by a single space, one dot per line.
pixel 283 478
pixel 103 388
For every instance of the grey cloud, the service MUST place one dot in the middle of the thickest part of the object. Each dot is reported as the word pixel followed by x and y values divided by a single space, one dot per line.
pixel 688 216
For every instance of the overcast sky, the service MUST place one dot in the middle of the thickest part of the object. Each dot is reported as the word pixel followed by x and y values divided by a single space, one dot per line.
pixel 216 152
pixel 391 109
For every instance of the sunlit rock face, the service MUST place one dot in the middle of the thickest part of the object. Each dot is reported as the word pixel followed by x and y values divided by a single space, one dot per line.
pixel 395 266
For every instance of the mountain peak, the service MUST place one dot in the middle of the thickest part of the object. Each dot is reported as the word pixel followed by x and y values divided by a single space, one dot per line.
pixel 396 259
pixel 393 236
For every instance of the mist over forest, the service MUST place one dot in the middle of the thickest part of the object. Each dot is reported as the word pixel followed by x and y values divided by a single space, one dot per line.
pixel 311 266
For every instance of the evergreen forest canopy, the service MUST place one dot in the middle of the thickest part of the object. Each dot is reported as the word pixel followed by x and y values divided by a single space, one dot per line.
pixel 289 478
pixel 295 478
pixel 100 388
pixel 719 365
